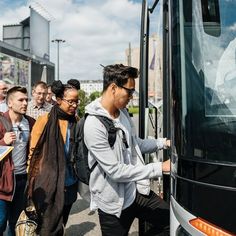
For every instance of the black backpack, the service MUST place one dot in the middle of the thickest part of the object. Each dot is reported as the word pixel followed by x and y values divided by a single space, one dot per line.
pixel 81 151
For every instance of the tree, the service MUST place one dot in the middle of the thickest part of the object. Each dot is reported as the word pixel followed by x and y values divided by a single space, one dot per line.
pixel 83 102
pixel 94 95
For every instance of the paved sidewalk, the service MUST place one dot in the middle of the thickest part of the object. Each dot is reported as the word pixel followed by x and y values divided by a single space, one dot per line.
pixel 83 222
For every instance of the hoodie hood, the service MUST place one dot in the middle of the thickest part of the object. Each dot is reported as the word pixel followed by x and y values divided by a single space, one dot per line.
pixel 95 108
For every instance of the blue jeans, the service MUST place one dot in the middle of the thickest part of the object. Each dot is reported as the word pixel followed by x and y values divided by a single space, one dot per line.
pixel 10 211
pixel 3 216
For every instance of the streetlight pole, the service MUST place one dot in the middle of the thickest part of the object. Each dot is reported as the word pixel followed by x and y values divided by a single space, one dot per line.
pixel 58 41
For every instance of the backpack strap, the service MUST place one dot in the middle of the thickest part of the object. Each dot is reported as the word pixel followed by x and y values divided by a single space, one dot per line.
pixel 111 129
pixel 108 123
pixel 80 149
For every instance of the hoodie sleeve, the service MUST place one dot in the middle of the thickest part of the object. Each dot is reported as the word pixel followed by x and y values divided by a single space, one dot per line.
pixel 151 145
pixel 146 145
pixel 111 161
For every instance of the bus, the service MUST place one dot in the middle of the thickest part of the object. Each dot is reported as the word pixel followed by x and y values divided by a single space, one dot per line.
pixel 198 70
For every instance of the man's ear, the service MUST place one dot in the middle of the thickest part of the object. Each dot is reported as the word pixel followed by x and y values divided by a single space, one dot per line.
pixel 9 103
pixel 59 101
pixel 113 87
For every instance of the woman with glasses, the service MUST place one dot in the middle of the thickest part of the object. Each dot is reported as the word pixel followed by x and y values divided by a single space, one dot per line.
pixel 52 180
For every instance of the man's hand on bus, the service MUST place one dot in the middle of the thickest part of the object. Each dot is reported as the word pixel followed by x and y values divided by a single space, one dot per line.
pixel 167 143
pixel 166 167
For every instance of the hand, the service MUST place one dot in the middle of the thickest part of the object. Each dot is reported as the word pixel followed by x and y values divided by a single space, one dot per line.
pixel 166 166
pixel 167 143
pixel 9 137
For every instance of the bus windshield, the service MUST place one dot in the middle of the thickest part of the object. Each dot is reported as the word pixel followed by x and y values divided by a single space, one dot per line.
pixel 207 77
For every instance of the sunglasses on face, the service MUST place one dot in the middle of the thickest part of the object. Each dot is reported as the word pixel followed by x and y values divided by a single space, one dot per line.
pixel 130 91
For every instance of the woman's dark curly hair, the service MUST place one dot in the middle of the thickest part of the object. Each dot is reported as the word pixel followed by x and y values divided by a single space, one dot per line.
pixel 58 88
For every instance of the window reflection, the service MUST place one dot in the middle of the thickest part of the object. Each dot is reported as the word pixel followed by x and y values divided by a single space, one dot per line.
pixel 13 70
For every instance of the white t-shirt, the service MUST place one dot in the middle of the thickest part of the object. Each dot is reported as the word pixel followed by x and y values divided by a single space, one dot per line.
pixel 22 132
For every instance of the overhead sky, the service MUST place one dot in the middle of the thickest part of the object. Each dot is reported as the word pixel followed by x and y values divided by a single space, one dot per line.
pixel 96 31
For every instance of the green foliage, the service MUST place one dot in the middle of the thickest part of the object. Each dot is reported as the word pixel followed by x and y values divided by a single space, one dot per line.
pixel 84 100
pixel 151 110
pixel 134 110
pixel 94 95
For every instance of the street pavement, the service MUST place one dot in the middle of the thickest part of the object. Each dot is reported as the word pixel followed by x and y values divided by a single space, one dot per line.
pixel 84 222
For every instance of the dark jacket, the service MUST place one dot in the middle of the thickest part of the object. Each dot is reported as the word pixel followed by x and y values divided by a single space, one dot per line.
pixel 7 180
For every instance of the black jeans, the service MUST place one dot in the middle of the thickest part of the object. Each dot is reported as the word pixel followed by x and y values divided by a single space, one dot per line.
pixel 66 213
pixel 70 198
pixel 150 208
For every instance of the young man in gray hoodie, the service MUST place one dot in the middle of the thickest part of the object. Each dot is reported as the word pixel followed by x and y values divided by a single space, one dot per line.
pixel 119 184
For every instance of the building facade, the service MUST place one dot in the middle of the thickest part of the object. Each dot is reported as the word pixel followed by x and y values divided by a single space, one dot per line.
pixel 90 86
pixel 24 52
pixel 155 67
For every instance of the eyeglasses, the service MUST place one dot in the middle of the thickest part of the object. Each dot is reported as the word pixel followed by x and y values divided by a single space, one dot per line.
pixel 130 91
pixel 70 102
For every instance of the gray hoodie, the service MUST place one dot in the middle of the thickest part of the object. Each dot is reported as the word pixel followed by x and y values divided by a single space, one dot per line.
pixel 120 170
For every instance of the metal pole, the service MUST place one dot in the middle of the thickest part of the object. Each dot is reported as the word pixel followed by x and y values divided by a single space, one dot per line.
pixel 58 64
pixel 29 78
pixel 143 84
pixel 58 41
pixel 129 55
pixel 143 81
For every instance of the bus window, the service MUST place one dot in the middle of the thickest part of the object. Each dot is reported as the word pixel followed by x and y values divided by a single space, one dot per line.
pixel 211 17
pixel 208 81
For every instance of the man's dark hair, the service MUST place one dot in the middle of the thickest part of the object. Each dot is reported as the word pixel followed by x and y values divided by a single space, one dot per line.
pixel 14 90
pixel 40 84
pixel 118 74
